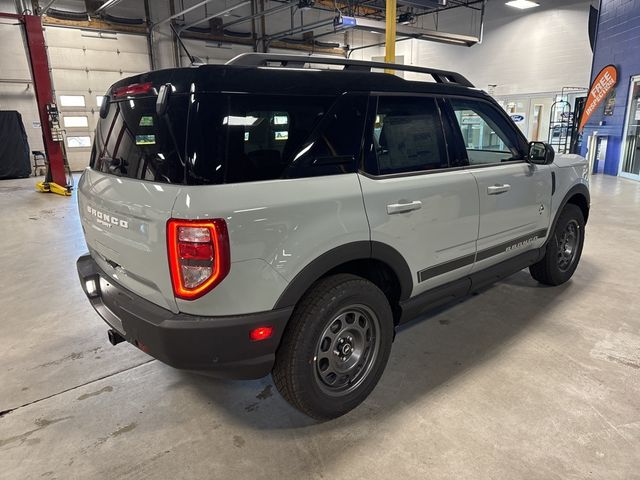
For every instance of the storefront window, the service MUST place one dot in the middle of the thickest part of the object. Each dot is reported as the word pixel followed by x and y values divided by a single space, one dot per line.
pixel 631 148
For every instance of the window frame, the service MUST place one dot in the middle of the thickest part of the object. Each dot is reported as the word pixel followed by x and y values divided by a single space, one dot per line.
pixel 369 159
pixel 457 137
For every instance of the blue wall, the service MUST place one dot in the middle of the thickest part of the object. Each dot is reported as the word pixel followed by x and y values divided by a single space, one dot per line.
pixel 617 43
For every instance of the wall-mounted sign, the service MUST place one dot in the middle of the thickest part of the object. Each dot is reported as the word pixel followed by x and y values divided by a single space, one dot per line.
pixel 600 88
pixel 518 117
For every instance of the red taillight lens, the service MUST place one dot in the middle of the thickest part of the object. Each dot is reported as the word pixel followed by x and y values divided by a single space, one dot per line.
pixel 133 89
pixel 260 333
pixel 199 256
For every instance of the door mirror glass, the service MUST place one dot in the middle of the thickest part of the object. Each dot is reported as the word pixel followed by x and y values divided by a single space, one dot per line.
pixel 541 153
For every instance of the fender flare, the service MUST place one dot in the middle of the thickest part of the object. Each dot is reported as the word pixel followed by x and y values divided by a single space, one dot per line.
pixel 329 260
pixel 579 189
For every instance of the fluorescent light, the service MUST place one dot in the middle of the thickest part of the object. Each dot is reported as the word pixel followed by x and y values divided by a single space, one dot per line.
pixel 522 4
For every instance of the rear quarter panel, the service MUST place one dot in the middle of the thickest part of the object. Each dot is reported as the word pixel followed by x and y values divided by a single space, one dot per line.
pixel 275 229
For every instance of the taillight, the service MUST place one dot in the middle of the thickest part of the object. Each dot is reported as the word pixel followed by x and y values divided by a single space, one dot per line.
pixel 199 256
pixel 133 89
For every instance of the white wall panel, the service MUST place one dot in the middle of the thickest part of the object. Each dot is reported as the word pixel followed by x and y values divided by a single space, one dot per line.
pixel 83 65
pixel 77 38
pixel 538 50
pixel 14 67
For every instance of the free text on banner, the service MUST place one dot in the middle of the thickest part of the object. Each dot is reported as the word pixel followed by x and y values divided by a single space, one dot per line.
pixel 600 88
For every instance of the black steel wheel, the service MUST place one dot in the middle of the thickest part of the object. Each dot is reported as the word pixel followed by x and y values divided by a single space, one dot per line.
pixel 347 350
pixel 335 347
pixel 563 249
pixel 568 245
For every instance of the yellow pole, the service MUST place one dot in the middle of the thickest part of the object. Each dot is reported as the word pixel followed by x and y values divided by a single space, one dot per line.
pixel 390 34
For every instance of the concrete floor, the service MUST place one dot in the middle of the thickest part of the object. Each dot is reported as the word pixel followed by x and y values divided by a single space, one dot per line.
pixel 520 382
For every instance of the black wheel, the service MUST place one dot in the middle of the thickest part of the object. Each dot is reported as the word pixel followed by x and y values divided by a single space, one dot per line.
pixel 564 249
pixel 335 348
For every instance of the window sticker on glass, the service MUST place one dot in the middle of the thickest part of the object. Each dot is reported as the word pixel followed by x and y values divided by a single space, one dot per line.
pixel 235 121
pixel 146 121
pixel 145 139
pixel 280 120
pixel 281 135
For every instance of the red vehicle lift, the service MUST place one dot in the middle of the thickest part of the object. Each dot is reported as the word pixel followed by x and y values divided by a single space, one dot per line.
pixel 56 178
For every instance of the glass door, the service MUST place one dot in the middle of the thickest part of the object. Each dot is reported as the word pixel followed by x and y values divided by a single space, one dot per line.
pixel 630 165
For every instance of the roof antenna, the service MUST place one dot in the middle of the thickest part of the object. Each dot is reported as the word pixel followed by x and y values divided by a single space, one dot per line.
pixel 193 59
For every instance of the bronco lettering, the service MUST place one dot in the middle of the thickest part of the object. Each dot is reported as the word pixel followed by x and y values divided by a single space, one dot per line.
pixel 105 219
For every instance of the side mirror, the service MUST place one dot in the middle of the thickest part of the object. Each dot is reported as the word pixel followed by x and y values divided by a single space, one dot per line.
pixel 104 106
pixel 162 103
pixel 541 153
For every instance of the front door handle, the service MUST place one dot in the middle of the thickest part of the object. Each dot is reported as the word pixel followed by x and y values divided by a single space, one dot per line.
pixel 498 189
pixel 403 207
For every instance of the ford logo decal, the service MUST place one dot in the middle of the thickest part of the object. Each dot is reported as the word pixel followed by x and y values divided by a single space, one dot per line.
pixel 517 118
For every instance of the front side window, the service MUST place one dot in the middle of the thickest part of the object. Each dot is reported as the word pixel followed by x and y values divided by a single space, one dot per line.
pixel 486 134
pixel 407 135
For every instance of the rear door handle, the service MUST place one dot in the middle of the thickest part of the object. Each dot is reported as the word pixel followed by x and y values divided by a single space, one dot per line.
pixel 403 207
pixel 498 189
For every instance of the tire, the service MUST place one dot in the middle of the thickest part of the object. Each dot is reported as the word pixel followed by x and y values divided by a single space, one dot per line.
pixel 563 249
pixel 343 325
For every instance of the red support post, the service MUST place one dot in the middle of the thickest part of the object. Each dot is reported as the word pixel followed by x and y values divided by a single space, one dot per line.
pixel 44 94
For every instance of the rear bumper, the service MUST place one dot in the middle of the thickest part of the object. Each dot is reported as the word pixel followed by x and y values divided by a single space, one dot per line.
pixel 216 345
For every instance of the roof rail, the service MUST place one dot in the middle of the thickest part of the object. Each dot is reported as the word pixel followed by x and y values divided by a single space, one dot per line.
pixel 263 59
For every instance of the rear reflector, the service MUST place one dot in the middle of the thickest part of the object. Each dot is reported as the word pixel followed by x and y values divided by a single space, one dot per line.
pixel 260 333
pixel 133 89
pixel 199 256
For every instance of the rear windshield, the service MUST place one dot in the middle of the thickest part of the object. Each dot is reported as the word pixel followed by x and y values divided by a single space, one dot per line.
pixel 230 138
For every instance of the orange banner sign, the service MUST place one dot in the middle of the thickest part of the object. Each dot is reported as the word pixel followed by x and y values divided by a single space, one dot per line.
pixel 600 88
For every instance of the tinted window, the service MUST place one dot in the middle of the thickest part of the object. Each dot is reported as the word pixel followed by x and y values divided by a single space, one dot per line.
pixel 133 142
pixel 231 138
pixel 487 136
pixel 244 138
pixel 335 144
pixel 407 135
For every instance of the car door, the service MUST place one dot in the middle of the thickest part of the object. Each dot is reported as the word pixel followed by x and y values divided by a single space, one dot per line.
pixel 514 195
pixel 415 201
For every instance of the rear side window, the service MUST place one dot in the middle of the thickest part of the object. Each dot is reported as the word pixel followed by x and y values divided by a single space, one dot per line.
pixel 487 135
pixel 407 135
pixel 133 142
pixel 334 146
pixel 244 138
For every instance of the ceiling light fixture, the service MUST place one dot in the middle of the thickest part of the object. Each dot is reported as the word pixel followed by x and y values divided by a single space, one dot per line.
pixel 522 4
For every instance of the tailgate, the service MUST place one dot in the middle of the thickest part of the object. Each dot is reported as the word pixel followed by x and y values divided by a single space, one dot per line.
pixel 124 222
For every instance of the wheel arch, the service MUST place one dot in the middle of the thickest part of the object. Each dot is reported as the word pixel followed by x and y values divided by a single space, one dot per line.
pixel 375 261
pixel 577 195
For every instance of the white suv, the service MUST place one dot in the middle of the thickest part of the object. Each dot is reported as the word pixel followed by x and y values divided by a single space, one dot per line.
pixel 244 219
